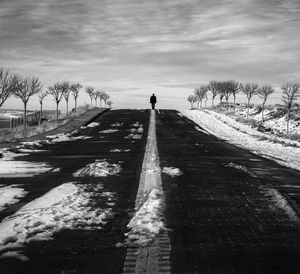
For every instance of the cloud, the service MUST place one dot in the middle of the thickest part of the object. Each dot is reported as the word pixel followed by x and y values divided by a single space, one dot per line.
pixel 130 45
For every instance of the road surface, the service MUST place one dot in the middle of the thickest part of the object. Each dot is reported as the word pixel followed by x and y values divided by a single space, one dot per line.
pixel 218 217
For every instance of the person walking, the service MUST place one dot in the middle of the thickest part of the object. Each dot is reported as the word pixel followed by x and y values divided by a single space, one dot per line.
pixel 153 101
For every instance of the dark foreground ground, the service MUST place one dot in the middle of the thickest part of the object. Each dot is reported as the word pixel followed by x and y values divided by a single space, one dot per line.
pixel 220 219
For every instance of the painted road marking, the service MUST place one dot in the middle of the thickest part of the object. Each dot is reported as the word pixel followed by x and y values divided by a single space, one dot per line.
pixel 155 257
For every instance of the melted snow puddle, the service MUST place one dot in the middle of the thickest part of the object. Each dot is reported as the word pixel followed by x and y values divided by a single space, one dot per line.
pixel 10 195
pixel 9 168
pixel 281 202
pixel 108 131
pixel 100 168
pixel 147 222
pixel 93 124
pixel 172 171
pixel 67 206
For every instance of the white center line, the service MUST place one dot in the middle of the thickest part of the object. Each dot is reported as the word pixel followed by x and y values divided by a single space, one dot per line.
pixel 153 257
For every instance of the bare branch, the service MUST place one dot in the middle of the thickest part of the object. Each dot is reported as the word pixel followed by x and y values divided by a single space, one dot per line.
pixel 7 85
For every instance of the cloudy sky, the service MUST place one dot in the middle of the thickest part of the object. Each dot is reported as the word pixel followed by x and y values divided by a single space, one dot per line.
pixel 131 48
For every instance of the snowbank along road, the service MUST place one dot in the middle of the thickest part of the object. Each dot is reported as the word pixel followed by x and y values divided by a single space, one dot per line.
pixel 129 194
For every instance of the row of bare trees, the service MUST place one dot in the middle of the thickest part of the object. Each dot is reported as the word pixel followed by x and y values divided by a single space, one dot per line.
pixel 24 88
pixel 227 89
pixel 98 94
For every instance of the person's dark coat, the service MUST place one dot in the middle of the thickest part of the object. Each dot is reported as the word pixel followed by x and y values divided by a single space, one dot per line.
pixel 153 99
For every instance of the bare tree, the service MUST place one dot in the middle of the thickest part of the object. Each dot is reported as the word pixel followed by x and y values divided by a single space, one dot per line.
pixel 250 89
pixel 23 90
pixel 7 85
pixel 109 103
pixel 197 95
pixel 264 93
pixel 42 96
pixel 200 94
pixel 90 92
pixel 221 88
pixel 192 99
pixel 205 99
pixel 234 88
pixel 213 88
pixel 96 95
pixel 105 98
pixel 75 92
pixel 101 95
pixel 57 93
pixel 227 92
pixel 65 88
pixel 290 94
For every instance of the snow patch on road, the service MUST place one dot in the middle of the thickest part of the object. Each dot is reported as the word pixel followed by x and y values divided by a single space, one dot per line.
pixel 93 124
pixel 134 136
pixel 108 131
pixel 147 222
pixel 9 167
pixel 201 130
pixel 136 124
pixel 283 151
pixel 68 206
pixel 172 171
pixel 280 201
pixel 119 150
pixel 10 195
pixel 117 124
pixel 26 150
pixel 243 168
pixel 100 168
pixel 62 137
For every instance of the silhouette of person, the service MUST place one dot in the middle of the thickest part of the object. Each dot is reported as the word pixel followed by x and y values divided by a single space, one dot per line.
pixel 153 101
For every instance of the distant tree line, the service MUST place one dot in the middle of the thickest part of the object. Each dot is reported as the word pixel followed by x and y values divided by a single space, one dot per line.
pixel 227 89
pixel 23 88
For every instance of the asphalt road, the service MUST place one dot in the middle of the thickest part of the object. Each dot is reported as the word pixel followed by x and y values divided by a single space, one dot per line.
pixel 220 219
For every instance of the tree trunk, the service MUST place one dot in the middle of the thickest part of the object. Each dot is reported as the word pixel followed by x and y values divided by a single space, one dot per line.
pixel 248 105
pixel 201 104
pixel 25 120
pixel 262 112
pixel 91 102
pixel 198 104
pixel 57 110
pixel 287 121
pixel 41 113
pixel 234 102
pixel 191 105
pixel 67 102
pixel 212 101
pixel 75 104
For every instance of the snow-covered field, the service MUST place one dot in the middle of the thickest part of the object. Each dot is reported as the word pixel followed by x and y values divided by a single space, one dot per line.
pixel 274 118
pixel 285 152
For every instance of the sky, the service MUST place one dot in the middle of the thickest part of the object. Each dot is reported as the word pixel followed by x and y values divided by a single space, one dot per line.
pixel 133 48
